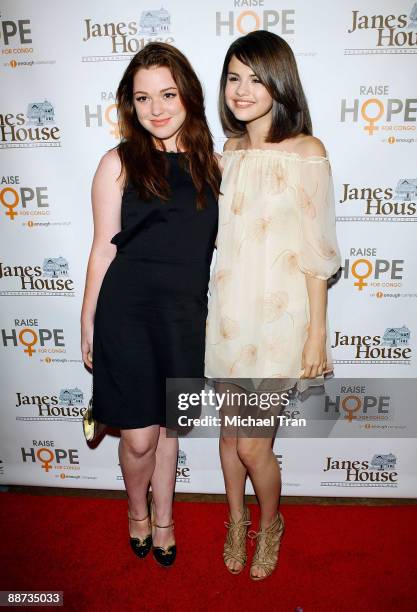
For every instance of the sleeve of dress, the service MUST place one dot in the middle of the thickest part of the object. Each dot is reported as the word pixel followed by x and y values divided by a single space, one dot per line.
pixel 318 252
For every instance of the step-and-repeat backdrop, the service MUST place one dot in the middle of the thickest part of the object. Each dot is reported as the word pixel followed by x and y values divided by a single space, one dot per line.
pixel 60 66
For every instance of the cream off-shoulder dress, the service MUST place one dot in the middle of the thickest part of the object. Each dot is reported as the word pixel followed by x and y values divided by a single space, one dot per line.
pixel 276 225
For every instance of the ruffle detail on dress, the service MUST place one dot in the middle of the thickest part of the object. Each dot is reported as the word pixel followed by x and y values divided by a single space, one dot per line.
pixel 123 237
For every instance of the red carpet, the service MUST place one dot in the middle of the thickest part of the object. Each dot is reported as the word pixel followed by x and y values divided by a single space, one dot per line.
pixel 333 558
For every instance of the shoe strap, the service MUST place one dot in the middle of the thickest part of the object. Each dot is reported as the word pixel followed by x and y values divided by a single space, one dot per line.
pixel 163 526
pixel 137 520
pixel 244 520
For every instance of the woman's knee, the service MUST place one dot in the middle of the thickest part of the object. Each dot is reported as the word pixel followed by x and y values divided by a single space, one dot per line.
pixel 228 440
pixel 252 451
pixel 139 443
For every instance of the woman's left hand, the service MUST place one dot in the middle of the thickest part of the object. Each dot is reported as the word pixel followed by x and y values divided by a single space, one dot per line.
pixel 313 360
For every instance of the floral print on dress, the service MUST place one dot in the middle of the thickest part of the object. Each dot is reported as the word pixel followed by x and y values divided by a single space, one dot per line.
pixel 276 225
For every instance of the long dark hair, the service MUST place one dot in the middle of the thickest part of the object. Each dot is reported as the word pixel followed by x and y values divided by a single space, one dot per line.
pixel 273 62
pixel 141 163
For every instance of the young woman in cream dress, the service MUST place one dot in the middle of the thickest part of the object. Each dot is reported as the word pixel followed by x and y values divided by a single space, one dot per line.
pixel 276 248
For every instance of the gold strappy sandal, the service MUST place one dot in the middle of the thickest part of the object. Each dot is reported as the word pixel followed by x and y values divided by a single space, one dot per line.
pixel 235 544
pixel 267 547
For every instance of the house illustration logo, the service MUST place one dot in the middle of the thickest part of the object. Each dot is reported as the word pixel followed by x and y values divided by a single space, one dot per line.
pixel 381 203
pixel 51 278
pixel 153 23
pixel 55 267
pixel 412 24
pixel 383 462
pixel 182 458
pixel 396 336
pixel 40 113
pixel 406 189
pixel 380 471
pixel 183 471
pixel 71 397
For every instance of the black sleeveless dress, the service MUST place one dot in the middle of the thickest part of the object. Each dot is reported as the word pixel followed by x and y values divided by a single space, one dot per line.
pixel 152 306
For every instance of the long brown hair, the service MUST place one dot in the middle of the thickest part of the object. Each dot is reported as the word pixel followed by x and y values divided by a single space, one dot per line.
pixel 141 163
pixel 272 60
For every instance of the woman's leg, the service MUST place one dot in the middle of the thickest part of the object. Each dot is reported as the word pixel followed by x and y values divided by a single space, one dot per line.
pixel 234 471
pixel 163 485
pixel 137 461
pixel 234 474
pixel 258 457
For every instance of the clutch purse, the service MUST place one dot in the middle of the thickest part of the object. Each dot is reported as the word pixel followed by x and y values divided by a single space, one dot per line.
pixel 92 428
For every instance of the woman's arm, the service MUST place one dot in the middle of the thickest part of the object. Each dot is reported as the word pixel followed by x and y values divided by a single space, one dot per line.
pixel 314 353
pixel 320 256
pixel 106 195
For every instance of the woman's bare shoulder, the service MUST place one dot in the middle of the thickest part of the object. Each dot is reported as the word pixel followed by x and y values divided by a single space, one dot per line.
pixel 232 144
pixel 111 162
pixel 310 146
pixel 110 170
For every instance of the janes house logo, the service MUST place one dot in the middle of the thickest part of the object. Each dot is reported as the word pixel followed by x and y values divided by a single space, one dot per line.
pixel 354 404
pixel 103 114
pixel 380 471
pixel 183 470
pixel 51 278
pixel 67 405
pixel 380 114
pixel 50 459
pixel 254 15
pixel 35 128
pixel 392 347
pixel 383 33
pixel 30 339
pixel 367 271
pixel 380 203
pixel 126 37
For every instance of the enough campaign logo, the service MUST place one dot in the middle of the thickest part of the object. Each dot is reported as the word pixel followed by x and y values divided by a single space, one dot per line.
pixel 52 278
pixel 16 43
pixel 50 459
pixel 183 470
pixel 254 15
pixel 379 203
pixel 35 128
pixel 121 39
pixel 381 33
pixel 366 270
pixel 15 36
pixel 392 347
pixel 26 204
pixel 380 471
pixel 355 404
pixel 17 199
pixel 380 114
pixel 103 114
pixel 67 405
pixel 29 338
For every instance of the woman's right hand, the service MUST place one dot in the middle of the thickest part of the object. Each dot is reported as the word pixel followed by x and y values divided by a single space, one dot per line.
pixel 87 330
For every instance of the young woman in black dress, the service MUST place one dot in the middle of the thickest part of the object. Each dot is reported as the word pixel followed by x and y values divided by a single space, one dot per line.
pixel 145 304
